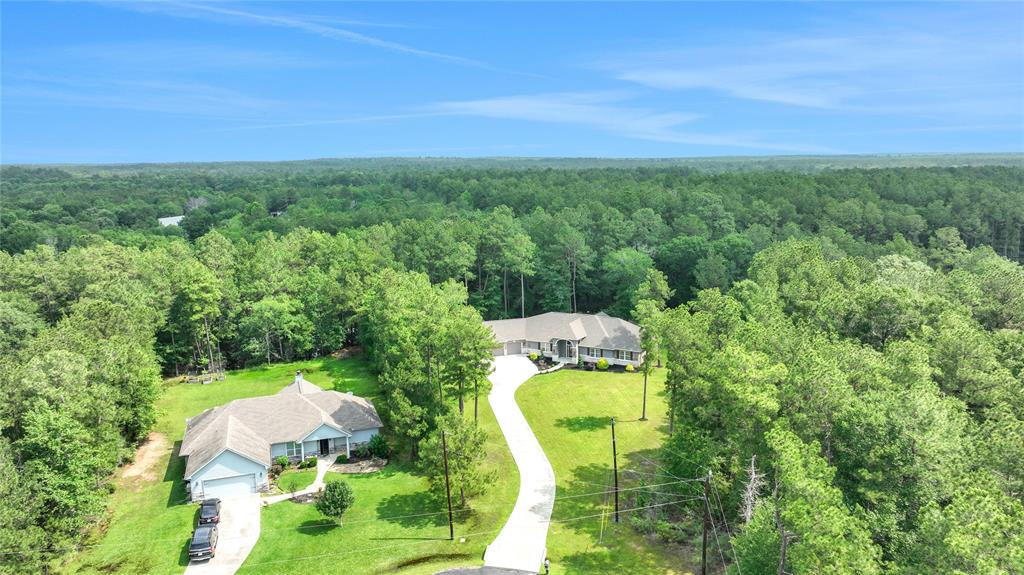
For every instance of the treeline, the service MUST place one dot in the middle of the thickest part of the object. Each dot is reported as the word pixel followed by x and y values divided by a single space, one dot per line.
pixel 79 377
pixel 534 240
pixel 856 415
pixel 85 334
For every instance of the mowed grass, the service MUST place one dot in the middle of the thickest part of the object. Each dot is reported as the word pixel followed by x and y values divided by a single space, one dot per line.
pixel 292 480
pixel 570 412
pixel 149 522
pixel 395 526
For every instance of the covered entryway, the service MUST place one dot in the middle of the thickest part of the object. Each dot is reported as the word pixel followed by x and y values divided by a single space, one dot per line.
pixel 325 446
pixel 227 487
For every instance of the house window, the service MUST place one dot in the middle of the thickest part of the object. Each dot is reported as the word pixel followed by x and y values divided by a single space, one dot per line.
pixel 292 449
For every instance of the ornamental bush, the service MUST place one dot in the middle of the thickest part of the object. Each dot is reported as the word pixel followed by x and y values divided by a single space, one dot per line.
pixel 378 447
pixel 534 356
pixel 335 499
pixel 630 368
pixel 281 460
pixel 602 364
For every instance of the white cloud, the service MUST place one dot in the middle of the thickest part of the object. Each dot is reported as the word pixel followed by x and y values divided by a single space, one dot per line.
pixel 163 55
pixel 605 111
pixel 183 98
pixel 946 66
pixel 304 24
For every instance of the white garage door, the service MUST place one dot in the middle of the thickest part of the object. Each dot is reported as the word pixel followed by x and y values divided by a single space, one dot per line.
pixel 498 351
pixel 229 486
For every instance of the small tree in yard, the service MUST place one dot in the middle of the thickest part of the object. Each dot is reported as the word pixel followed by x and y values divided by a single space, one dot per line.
pixel 336 498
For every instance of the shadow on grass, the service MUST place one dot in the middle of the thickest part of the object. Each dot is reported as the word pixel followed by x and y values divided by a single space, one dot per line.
pixel 414 510
pixel 583 423
pixel 175 473
pixel 315 527
pixel 353 375
pixel 183 556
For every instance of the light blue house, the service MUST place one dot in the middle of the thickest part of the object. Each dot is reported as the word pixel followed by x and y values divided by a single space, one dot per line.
pixel 230 448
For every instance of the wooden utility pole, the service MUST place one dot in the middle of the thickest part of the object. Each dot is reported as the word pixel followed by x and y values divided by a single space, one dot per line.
pixel 707 519
pixel 643 414
pixel 615 469
pixel 448 488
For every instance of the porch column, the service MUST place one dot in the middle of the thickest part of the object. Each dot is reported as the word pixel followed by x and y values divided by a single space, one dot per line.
pixel 302 451
pixel 348 449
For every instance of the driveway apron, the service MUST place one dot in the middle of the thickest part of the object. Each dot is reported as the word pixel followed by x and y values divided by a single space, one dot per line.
pixel 239 529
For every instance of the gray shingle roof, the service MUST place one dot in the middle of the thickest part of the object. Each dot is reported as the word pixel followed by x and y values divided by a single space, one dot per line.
pixel 591 330
pixel 249 426
pixel 300 385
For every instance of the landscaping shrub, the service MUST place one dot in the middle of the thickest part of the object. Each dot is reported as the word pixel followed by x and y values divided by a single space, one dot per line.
pixel 579 363
pixel 341 459
pixel 307 463
pixel 534 356
pixel 281 460
pixel 378 447
pixel 336 498
pixel 362 452
pixel 602 364
pixel 275 470
pixel 630 368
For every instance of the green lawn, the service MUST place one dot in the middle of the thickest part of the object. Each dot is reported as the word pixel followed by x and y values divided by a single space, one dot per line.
pixel 149 522
pixel 292 480
pixel 395 526
pixel 569 410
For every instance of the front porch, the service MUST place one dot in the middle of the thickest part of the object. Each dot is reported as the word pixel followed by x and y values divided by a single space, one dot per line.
pixel 558 350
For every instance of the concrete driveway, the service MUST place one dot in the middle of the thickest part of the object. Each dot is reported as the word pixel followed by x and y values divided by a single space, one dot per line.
pixel 522 541
pixel 239 529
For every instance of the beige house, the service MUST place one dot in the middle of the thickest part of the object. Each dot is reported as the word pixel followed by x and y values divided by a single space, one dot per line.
pixel 230 447
pixel 569 337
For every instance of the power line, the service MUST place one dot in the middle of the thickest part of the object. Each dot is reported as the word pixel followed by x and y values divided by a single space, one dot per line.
pixel 725 521
pixel 551 520
pixel 707 506
pixel 347 522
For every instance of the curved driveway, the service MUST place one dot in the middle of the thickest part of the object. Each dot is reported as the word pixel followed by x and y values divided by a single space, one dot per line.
pixel 521 543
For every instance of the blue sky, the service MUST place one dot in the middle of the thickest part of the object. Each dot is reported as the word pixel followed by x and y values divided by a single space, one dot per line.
pixel 194 81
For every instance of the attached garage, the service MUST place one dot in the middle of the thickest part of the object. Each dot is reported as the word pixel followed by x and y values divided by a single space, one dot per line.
pixel 227 475
pixel 227 487
pixel 508 348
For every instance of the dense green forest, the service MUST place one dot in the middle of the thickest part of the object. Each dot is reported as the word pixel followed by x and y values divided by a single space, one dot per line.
pixel 851 336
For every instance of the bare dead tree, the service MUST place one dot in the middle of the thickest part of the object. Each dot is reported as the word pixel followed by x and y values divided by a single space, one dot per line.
pixel 755 482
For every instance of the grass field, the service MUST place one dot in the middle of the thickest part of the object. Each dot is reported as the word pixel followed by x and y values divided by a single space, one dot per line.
pixel 149 521
pixel 395 526
pixel 292 480
pixel 570 412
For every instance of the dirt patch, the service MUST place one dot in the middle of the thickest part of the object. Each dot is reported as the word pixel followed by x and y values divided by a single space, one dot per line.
pixel 146 458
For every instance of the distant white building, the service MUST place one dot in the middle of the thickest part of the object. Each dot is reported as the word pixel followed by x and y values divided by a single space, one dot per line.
pixel 170 220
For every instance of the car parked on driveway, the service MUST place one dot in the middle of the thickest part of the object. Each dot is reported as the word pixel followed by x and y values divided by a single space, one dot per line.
pixel 204 543
pixel 209 511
